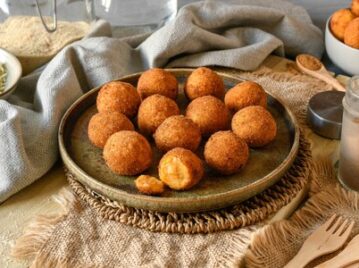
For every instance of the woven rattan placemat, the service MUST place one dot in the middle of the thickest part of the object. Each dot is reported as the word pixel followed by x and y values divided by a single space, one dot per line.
pixel 256 209
pixel 295 90
pixel 249 212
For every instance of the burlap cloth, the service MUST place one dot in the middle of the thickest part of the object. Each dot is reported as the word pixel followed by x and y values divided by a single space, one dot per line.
pixel 79 237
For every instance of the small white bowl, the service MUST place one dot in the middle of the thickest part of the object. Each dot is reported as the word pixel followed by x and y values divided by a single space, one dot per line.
pixel 14 71
pixel 342 55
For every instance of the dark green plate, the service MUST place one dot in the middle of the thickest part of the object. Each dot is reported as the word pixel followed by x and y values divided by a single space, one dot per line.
pixel 265 167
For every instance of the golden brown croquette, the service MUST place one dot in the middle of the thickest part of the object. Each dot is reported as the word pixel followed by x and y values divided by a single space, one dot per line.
pixel 153 111
pixel 180 169
pixel 351 35
pixel 225 152
pixel 103 125
pixel 339 22
pixel 245 94
pixel 157 81
pixel 149 185
pixel 118 97
pixel 355 7
pixel 255 125
pixel 209 113
pixel 202 82
pixel 177 131
pixel 127 153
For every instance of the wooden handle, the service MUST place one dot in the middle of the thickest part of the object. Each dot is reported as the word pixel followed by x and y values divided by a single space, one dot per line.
pixel 323 75
pixel 338 262
pixel 326 77
pixel 348 256
pixel 300 260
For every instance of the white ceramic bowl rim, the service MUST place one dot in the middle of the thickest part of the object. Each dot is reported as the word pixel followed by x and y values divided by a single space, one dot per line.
pixel 14 69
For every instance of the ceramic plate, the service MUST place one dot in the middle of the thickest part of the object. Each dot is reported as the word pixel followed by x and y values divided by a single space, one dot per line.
pixel 265 167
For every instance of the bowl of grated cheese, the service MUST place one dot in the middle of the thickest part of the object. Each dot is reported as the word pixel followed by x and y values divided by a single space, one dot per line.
pixel 10 73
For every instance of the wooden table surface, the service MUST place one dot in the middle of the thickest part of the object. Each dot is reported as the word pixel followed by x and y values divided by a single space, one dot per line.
pixel 36 199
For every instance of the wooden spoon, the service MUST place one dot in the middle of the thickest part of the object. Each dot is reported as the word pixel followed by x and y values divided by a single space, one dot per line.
pixel 314 67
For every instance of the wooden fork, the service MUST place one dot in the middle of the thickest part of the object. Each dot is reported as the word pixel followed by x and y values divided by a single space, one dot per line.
pixel 326 239
pixel 348 256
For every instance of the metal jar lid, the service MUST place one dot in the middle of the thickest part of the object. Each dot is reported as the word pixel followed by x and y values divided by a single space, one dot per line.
pixel 325 113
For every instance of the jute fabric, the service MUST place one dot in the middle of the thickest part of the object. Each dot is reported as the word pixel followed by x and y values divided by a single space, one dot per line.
pixel 276 244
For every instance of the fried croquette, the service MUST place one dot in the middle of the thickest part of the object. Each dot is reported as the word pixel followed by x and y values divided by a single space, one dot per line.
pixel 355 7
pixel 202 82
pixel 255 125
pixel 177 131
pixel 339 22
pixel 209 113
pixel 225 152
pixel 149 185
pixel 127 153
pixel 157 81
pixel 103 125
pixel 180 169
pixel 351 35
pixel 245 94
pixel 118 97
pixel 153 111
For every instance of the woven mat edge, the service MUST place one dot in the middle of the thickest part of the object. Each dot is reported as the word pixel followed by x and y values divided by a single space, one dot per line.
pixel 249 212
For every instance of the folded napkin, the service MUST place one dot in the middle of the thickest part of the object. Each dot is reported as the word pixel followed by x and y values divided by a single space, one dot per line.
pixel 238 34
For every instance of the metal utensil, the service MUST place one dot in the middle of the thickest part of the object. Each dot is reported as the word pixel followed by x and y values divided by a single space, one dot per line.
pixel 54 16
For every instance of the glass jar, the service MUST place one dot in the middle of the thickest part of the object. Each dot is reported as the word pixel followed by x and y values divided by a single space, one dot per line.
pixel 35 40
pixel 129 17
pixel 349 146
pixel 66 10
pixel 36 30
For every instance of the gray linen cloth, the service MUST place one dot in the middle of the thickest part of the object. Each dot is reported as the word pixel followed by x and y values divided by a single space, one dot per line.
pixel 238 34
